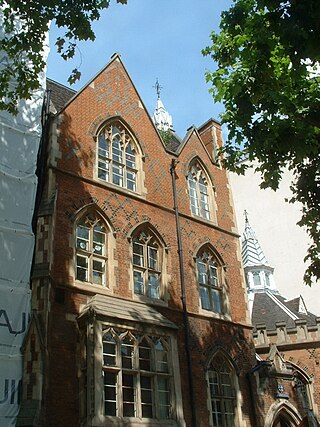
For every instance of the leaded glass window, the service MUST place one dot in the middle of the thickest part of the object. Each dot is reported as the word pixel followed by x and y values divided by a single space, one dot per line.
pixel 222 394
pixel 91 253
pixel 137 375
pixel 117 157
pixel 199 192
pixel 146 264
pixel 209 282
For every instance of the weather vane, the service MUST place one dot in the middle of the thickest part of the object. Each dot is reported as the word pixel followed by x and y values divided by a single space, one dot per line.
pixel 157 88
pixel 246 215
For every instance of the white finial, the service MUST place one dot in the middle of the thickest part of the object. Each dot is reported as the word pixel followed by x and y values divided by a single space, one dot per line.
pixel 161 118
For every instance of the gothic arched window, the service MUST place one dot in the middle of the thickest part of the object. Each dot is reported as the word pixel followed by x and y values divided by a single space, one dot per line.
pixel 147 258
pixel 91 249
pixel 209 281
pixel 199 192
pixel 117 156
pixel 222 392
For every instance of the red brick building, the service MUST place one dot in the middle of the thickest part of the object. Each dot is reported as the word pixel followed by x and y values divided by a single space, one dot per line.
pixel 140 315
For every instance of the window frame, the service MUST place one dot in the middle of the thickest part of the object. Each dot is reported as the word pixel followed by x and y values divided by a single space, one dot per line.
pixel 200 191
pixel 215 368
pixel 128 363
pixel 118 157
pixel 90 221
pixel 151 269
pixel 92 330
pixel 210 284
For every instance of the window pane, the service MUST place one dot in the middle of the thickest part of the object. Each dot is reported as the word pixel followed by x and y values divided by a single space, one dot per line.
pixel 131 181
pixel 103 146
pixel 194 202
pixel 128 395
pixel 110 393
pixel 109 350
pixel 267 276
pixel 229 413
pixel 83 237
pixel 117 175
pixel 144 356
pixel 164 398
pixel 98 241
pixel 161 357
pixel 216 413
pixel 152 258
pixel 127 350
pixel 130 157
pixel 138 258
pixel 213 383
pixel 116 150
pixel 98 272
pixel 82 268
pixel 256 278
pixel 153 285
pixel 216 296
pixel 202 272
pixel 146 396
pixel 204 296
pixel 213 276
pixel 138 282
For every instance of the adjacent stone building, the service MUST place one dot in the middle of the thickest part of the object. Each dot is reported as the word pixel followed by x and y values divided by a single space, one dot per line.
pixel 287 342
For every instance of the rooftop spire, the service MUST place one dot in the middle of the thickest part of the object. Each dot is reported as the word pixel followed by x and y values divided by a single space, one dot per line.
pixel 161 118
pixel 259 274
pixel 252 253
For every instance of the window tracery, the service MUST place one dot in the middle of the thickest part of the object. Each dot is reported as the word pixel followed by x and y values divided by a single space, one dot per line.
pixel 91 249
pixel 199 193
pixel 209 281
pixel 147 257
pixel 222 392
pixel 117 156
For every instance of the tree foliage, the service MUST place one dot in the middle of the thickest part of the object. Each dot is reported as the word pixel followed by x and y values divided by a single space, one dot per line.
pixel 267 76
pixel 26 24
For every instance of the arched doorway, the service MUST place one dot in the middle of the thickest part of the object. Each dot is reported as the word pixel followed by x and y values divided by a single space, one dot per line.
pixel 282 422
pixel 283 414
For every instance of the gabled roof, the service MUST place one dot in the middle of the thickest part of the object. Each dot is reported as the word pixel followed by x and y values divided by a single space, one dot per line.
pixel 269 308
pixel 62 96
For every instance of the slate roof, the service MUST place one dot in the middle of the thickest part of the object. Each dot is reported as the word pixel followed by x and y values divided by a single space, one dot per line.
pixel 174 142
pixel 269 308
pixel 59 94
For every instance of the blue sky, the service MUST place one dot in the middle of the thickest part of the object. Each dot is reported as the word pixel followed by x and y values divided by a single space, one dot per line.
pixel 156 39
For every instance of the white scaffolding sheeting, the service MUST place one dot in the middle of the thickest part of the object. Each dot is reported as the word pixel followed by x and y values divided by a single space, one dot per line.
pixel 14 319
pixel 10 389
pixel 19 151
pixel 19 145
pixel 16 249
pixel 17 197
